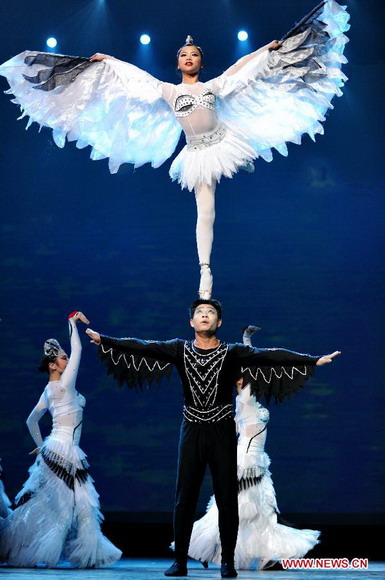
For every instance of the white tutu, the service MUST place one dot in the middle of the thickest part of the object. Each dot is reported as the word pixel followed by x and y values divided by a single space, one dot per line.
pixel 54 522
pixel 204 165
pixel 261 539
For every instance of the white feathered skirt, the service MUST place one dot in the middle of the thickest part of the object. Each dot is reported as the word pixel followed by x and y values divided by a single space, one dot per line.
pixel 58 516
pixel 209 156
pixel 4 502
pixel 261 539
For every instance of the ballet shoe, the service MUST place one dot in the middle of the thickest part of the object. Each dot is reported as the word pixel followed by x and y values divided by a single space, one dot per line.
pixel 228 570
pixel 206 282
pixel 177 569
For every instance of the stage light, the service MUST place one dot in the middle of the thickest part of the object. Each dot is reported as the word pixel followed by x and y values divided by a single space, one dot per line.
pixel 51 42
pixel 242 35
pixel 145 39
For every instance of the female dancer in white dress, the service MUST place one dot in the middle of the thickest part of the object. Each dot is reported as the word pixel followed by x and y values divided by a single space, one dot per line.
pixel 57 515
pixel 261 539
pixel 269 97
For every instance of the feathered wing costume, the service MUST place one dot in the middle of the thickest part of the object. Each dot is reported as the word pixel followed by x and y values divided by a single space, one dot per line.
pixel 261 540
pixel 264 101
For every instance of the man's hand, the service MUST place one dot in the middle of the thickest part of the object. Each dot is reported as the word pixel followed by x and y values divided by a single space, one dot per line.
pixel 327 358
pixel 95 336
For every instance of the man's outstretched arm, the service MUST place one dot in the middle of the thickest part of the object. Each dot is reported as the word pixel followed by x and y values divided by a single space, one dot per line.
pixel 164 350
pixel 277 373
pixel 133 361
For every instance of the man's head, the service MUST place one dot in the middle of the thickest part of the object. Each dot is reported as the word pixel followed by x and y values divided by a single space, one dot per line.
pixel 206 316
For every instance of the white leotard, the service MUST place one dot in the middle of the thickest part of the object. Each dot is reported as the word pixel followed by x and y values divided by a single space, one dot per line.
pixel 62 400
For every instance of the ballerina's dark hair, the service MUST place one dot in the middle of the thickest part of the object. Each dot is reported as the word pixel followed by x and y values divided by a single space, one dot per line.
pixel 52 350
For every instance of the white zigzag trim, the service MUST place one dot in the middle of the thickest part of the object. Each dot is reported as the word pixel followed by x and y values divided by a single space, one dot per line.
pixel 132 363
pixel 278 375
pixel 196 415
pixel 203 395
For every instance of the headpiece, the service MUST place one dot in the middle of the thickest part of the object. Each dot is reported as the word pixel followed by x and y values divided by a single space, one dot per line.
pixel 52 348
pixel 190 42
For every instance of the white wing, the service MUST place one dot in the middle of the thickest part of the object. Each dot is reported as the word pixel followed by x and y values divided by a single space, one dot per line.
pixel 111 105
pixel 280 95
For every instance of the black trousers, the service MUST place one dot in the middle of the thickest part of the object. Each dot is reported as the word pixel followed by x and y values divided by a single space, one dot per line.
pixel 215 445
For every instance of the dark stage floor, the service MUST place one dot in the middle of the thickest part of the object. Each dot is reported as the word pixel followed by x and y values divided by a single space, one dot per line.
pixel 148 569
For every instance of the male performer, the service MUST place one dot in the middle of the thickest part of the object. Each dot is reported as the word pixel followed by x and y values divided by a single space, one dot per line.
pixel 209 370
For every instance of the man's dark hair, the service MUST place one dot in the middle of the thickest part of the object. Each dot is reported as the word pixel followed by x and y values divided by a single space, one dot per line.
pixel 217 305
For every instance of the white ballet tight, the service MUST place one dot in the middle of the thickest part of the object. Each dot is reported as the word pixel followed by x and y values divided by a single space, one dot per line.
pixel 205 200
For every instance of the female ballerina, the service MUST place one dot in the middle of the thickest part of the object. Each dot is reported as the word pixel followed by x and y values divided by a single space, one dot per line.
pixel 261 539
pixel 57 514
pixel 269 97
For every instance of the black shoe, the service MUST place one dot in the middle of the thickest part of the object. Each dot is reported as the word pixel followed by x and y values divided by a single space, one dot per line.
pixel 177 569
pixel 228 570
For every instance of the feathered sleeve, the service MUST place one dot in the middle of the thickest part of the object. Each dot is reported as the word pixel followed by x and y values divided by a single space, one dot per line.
pixel 138 362
pixel 111 105
pixel 274 373
pixel 274 97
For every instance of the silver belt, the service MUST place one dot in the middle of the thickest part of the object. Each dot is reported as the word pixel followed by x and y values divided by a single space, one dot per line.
pixel 213 415
pixel 205 140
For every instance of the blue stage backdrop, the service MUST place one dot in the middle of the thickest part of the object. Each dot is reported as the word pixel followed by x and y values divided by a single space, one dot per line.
pixel 299 249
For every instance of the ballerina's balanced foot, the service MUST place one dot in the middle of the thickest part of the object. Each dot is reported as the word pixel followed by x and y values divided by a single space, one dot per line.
pixel 206 282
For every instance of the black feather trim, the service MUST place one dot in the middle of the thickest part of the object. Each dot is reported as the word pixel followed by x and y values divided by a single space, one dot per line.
pixel 134 370
pixel 306 22
pixel 24 498
pixel 246 482
pixel 61 70
pixel 55 463
pixel 277 383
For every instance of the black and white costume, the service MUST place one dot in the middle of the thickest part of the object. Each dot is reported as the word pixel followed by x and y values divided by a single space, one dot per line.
pixel 261 538
pixel 208 435
pixel 57 515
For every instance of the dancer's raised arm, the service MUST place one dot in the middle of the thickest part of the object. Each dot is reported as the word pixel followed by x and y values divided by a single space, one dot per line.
pixel 70 373
pixel 58 366
pixel 256 59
